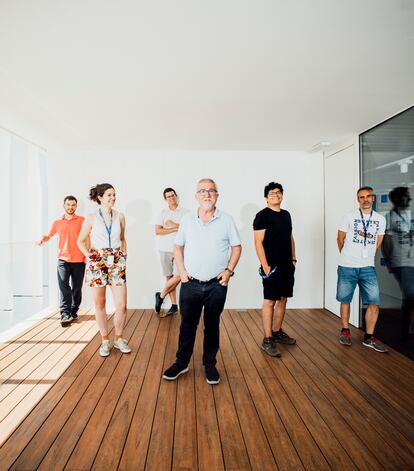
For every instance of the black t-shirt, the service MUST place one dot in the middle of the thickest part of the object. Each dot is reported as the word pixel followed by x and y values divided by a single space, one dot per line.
pixel 277 240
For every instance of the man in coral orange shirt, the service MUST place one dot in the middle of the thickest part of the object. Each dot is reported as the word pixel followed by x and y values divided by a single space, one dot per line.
pixel 71 261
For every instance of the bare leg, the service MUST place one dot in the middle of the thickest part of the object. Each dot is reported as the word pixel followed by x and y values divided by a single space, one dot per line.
pixel 280 313
pixel 172 283
pixel 345 313
pixel 99 297
pixel 371 317
pixel 267 316
pixel 171 293
pixel 120 297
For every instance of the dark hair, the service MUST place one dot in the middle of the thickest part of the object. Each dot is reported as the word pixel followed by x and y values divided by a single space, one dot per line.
pixel 368 188
pixel 272 186
pixel 167 190
pixel 70 198
pixel 99 190
pixel 398 193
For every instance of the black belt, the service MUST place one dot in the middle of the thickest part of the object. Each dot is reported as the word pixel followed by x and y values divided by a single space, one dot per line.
pixel 204 282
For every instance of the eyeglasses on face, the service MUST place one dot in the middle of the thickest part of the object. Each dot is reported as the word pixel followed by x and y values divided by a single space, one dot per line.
pixel 274 193
pixel 210 191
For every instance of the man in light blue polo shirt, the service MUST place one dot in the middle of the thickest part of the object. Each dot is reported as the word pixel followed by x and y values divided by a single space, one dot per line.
pixel 207 249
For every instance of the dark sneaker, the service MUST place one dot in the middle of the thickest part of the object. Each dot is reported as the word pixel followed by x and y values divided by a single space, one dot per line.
pixel 174 371
pixel 282 337
pixel 269 347
pixel 345 338
pixel 173 309
pixel 212 375
pixel 74 315
pixel 65 319
pixel 158 302
pixel 373 343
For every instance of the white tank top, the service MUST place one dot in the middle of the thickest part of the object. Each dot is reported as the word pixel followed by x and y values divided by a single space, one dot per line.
pixel 99 233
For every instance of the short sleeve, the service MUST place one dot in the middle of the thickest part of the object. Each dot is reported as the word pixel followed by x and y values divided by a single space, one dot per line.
pixel 180 236
pixel 344 224
pixel 382 225
pixel 259 222
pixel 160 219
pixel 234 237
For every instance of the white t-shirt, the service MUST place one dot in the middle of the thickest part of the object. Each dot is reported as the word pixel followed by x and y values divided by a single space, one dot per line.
pixel 166 242
pixel 400 227
pixel 355 253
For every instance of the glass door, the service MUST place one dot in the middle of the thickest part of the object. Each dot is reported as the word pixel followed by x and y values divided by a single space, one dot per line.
pixel 387 165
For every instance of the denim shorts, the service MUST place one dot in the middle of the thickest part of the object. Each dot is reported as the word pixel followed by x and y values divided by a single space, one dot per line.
pixel 365 278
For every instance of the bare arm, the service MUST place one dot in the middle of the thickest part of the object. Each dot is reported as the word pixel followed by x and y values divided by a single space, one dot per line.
pixel 258 243
pixel 225 275
pixel 46 238
pixel 161 230
pixel 83 238
pixel 122 235
pixel 179 259
pixel 340 239
pixel 380 238
pixel 293 250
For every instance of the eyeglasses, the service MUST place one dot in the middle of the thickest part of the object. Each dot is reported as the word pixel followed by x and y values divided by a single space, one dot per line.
pixel 274 193
pixel 210 191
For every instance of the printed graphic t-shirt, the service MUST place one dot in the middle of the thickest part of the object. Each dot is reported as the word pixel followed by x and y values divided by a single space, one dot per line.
pixel 352 254
pixel 277 242
pixel 400 229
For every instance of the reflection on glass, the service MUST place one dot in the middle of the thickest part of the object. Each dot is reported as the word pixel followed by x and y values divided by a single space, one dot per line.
pixel 399 253
pixel 387 164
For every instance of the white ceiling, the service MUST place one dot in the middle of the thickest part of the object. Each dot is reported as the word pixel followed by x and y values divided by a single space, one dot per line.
pixel 212 74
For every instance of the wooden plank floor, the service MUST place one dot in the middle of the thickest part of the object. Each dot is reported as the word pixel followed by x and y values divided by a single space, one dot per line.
pixel 321 406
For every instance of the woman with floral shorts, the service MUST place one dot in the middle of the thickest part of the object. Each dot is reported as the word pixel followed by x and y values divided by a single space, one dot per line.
pixel 102 241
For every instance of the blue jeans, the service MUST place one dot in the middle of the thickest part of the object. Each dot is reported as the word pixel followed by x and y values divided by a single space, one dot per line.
pixel 365 278
pixel 194 296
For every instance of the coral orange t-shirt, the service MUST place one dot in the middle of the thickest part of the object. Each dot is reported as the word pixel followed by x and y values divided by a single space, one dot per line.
pixel 68 231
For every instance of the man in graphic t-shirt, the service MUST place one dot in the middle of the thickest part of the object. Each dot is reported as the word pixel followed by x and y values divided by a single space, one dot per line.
pixel 166 229
pixel 71 261
pixel 360 235
pixel 275 250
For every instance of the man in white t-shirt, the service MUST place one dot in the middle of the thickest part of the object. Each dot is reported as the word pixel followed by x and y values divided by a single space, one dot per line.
pixel 360 235
pixel 166 229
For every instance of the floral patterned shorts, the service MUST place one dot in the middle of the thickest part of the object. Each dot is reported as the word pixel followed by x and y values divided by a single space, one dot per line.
pixel 106 267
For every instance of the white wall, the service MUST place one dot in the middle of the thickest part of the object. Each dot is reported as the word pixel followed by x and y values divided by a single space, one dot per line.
pixel 140 177
pixel 341 184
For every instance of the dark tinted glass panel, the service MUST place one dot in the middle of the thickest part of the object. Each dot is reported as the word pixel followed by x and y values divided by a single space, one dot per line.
pixel 387 164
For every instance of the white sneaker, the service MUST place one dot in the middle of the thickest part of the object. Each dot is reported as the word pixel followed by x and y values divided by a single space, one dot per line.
pixel 122 346
pixel 105 349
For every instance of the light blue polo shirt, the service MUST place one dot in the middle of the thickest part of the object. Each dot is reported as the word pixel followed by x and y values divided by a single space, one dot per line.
pixel 206 246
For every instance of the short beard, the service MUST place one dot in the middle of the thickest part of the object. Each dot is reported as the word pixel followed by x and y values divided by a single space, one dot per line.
pixel 207 205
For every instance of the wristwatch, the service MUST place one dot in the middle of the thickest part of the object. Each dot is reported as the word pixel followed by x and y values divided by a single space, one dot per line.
pixel 231 272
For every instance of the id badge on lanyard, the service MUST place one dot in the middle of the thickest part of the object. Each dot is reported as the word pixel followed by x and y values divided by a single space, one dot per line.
pixel 365 226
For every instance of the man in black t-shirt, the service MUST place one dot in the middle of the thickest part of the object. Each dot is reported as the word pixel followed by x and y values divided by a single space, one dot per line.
pixel 275 249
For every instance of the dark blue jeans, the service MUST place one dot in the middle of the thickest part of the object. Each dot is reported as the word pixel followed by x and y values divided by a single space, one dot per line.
pixel 70 279
pixel 194 296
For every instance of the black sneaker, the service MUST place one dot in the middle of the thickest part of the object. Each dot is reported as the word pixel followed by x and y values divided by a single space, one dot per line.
pixel 174 371
pixel 173 309
pixel 282 337
pixel 269 347
pixel 65 319
pixel 158 302
pixel 212 375
pixel 74 315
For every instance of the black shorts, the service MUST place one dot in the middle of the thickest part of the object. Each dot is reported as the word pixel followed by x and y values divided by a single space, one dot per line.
pixel 280 283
